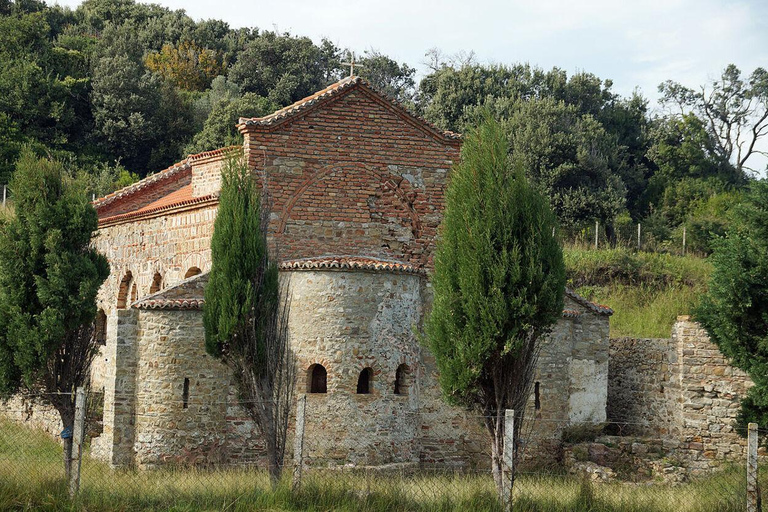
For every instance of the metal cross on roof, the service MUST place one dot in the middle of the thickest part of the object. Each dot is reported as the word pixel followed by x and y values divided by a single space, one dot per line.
pixel 352 64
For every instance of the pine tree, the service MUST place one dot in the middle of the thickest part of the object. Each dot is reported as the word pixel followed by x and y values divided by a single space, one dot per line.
pixel 244 317
pixel 498 285
pixel 735 309
pixel 49 278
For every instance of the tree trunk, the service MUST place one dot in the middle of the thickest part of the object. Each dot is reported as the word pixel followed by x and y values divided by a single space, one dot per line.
pixel 67 458
pixel 66 410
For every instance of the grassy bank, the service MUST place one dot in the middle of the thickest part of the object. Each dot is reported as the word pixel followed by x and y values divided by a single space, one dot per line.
pixel 646 290
pixel 31 478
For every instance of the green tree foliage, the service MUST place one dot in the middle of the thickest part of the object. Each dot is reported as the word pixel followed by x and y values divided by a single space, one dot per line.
pixel 245 324
pixel 186 65
pixel 733 109
pixel 219 129
pixel 735 309
pixel 498 284
pixel 391 78
pixel 570 157
pixel 284 68
pixel 49 278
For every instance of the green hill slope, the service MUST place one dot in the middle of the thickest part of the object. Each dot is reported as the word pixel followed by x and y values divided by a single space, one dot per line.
pixel 647 291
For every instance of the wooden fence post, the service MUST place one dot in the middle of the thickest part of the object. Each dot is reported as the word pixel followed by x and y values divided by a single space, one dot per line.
pixel 684 240
pixel 752 467
pixel 5 194
pixel 638 237
pixel 77 442
pixel 597 231
pixel 298 441
pixel 509 459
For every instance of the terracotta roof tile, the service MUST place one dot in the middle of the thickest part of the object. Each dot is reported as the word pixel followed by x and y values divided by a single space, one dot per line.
pixel 597 308
pixel 176 199
pixel 330 92
pixel 165 174
pixel 215 152
pixel 349 263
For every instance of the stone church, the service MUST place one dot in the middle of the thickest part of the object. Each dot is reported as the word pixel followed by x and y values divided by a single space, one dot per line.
pixel 357 186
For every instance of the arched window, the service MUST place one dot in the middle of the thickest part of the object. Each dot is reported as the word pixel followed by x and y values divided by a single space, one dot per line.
pixel 193 271
pixel 402 378
pixel 537 396
pixel 123 291
pixel 100 328
pixel 317 379
pixel 134 293
pixel 364 381
pixel 157 283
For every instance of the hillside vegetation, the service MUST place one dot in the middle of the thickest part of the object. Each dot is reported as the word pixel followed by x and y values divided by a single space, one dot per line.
pixel 647 291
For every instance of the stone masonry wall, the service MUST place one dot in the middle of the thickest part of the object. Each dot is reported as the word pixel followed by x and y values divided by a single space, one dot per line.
pixel 682 389
pixel 348 321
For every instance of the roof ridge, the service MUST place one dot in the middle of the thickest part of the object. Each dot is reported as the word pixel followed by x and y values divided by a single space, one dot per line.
pixel 214 152
pixel 131 189
pixel 332 90
pixel 597 308
pixel 367 263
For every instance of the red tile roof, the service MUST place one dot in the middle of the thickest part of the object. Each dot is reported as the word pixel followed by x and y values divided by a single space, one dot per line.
pixel 140 185
pixel 176 199
pixel 349 263
pixel 332 91
pixel 597 308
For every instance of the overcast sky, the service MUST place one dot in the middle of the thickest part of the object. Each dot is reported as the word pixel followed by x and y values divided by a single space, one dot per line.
pixel 636 43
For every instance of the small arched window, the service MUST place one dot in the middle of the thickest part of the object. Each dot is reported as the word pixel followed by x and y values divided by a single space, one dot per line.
pixel 124 290
pixel 192 272
pixel 364 381
pixel 537 396
pixel 134 293
pixel 100 328
pixel 317 379
pixel 402 377
pixel 157 283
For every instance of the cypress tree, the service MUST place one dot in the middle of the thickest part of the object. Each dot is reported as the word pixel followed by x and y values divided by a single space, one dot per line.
pixel 49 278
pixel 245 319
pixel 498 285
pixel 735 309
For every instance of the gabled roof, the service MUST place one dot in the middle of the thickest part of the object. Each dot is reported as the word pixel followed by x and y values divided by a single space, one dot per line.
pixel 188 294
pixel 332 92
pixel 592 306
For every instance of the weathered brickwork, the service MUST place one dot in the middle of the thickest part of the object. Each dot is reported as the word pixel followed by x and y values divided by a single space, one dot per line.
pixel 682 389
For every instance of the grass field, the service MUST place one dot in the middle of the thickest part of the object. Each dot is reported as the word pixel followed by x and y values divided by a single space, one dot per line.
pixel 31 478
pixel 646 290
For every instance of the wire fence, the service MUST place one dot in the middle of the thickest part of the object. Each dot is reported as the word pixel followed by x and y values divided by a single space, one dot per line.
pixel 679 240
pixel 387 458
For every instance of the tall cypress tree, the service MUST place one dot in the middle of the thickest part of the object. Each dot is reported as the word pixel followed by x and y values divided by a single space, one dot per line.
pixel 498 285
pixel 49 278
pixel 735 309
pixel 245 319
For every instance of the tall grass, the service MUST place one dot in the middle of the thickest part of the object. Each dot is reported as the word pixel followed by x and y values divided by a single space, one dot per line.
pixel 646 290
pixel 31 478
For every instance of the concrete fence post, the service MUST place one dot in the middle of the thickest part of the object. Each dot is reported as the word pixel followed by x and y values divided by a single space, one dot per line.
pixel 298 441
pixel 77 442
pixel 509 458
pixel 684 233
pixel 597 232
pixel 638 236
pixel 752 467
pixel 5 194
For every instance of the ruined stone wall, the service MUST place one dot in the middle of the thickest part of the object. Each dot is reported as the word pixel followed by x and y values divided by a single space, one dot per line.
pixel 348 321
pixel 682 389
pixel 644 384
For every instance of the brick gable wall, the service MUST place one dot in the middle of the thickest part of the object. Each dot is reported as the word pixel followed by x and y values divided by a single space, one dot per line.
pixel 353 177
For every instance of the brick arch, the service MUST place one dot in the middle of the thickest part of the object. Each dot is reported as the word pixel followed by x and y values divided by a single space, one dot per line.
pixel 388 183
pixel 307 365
